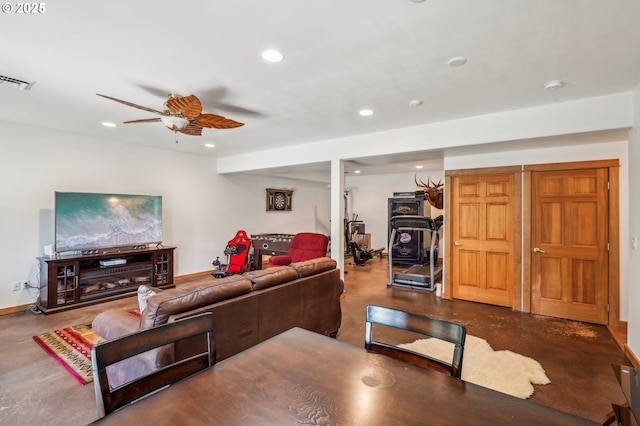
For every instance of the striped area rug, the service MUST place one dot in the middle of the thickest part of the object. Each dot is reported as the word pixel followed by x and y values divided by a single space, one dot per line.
pixel 71 348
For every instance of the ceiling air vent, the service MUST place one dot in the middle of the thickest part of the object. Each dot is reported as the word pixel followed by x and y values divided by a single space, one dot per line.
pixel 22 85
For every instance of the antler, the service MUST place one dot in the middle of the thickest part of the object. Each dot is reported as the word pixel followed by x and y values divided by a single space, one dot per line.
pixel 421 184
pixel 432 184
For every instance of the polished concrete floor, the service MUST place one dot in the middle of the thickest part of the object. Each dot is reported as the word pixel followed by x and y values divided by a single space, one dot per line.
pixel 577 357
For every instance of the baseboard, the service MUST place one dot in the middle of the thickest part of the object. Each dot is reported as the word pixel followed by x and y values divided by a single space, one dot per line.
pixel 631 356
pixel 620 336
pixel 195 274
pixel 14 309
pixel 619 333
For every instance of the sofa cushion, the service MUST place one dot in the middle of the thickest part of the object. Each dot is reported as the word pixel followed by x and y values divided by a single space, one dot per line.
pixel 263 278
pixel 314 266
pixel 144 293
pixel 192 296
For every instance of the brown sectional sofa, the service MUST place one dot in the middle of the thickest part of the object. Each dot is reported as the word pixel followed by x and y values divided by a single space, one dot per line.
pixel 247 309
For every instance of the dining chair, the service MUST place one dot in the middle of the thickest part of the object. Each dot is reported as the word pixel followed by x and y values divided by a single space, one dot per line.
pixel 622 416
pixel 420 324
pixel 196 331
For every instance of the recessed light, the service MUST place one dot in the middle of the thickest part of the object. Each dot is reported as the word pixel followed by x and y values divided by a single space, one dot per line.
pixel 417 1
pixel 272 56
pixel 418 167
pixel 554 84
pixel 108 124
pixel 415 103
pixel 457 61
pixel 209 145
pixel 365 112
pixel 356 171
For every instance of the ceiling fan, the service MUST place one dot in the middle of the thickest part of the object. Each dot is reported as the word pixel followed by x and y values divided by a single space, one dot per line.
pixel 183 114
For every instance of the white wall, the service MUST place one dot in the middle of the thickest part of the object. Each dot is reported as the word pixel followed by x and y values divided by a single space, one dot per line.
pixel 368 194
pixel 564 118
pixel 198 219
pixel 311 206
pixel 632 260
pixel 585 116
pixel 614 149
pixel 368 198
pixel 201 209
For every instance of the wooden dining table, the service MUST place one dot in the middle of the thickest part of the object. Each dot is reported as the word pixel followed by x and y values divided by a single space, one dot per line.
pixel 300 377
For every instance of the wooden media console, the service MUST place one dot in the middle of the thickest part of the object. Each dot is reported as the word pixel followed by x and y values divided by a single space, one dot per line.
pixel 72 281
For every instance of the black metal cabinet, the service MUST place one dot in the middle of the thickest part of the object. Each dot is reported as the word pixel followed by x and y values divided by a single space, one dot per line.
pixel 407 248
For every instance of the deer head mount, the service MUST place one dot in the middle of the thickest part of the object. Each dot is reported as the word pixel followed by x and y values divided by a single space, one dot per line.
pixel 433 192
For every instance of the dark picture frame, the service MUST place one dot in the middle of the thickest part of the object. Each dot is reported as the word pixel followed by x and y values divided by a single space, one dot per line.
pixel 279 200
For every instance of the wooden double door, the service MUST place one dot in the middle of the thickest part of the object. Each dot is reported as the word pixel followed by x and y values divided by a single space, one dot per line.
pixel 563 269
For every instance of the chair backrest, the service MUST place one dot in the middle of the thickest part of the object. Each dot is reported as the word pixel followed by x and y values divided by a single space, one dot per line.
pixel 623 416
pixel 238 251
pixel 199 330
pixel 308 245
pixel 421 324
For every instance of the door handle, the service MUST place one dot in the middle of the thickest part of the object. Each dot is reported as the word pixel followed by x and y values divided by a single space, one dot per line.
pixel 537 250
pixel 457 244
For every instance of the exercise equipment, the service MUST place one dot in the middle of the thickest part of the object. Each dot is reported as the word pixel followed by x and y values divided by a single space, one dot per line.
pixel 360 251
pixel 237 252
pixel 419 276
pixel 357 243
pixel 352 227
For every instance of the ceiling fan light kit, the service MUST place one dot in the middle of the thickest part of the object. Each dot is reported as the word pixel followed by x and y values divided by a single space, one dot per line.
pixel 174 123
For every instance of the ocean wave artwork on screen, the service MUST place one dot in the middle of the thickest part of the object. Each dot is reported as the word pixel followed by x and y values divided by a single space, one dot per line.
pixel 86 221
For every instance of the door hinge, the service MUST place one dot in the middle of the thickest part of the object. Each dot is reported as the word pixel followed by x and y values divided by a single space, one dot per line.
pixel 608 247
pixel 607 307
pixel 608 186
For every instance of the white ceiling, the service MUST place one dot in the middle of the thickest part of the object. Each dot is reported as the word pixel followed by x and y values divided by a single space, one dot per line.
pixel 339 57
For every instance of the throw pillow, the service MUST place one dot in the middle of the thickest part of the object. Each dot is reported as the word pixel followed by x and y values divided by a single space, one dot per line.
pixel 144 292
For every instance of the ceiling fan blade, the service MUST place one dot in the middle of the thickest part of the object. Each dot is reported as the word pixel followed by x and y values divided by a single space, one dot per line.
pixel 132 105
pixel 144 120
pixel 187 106
pixel 192 129
pixel 214 121
pixel 216 99
pixel 156 91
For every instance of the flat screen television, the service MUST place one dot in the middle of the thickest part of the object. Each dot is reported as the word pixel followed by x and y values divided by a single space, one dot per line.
pixel 90 221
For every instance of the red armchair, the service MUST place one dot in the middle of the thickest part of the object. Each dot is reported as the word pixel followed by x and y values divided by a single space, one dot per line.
pixel 304 246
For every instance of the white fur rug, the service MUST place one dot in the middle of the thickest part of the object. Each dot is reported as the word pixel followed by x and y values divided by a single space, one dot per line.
pixel 503 371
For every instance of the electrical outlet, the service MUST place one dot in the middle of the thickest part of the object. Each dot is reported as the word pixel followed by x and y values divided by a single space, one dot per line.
pixel 16 286
pixel 25 284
